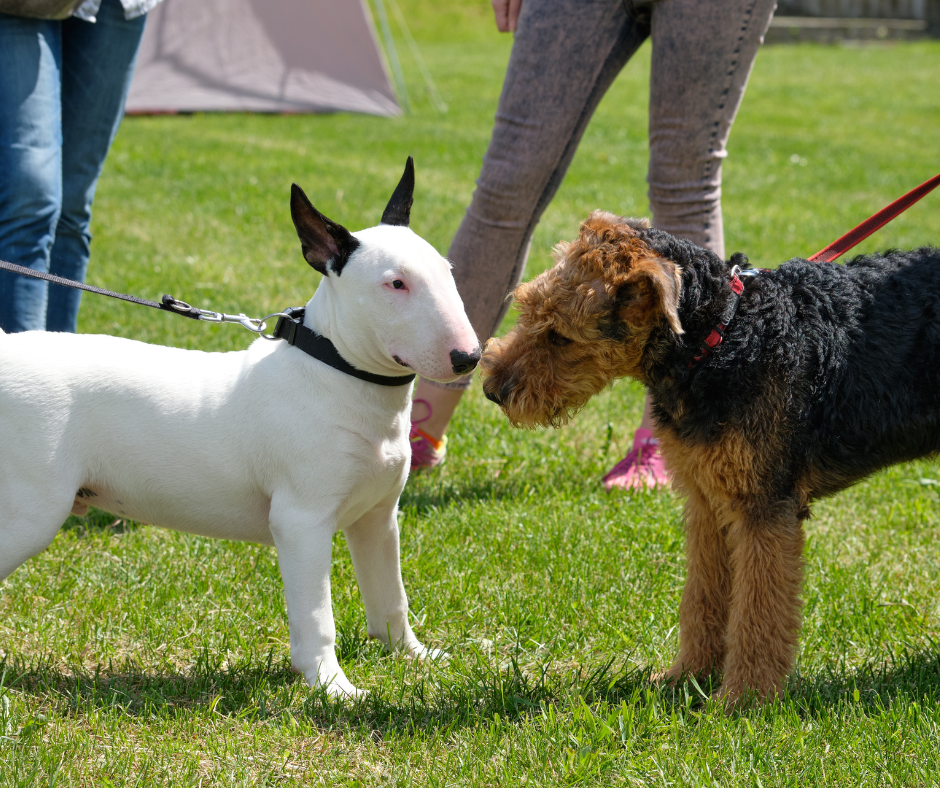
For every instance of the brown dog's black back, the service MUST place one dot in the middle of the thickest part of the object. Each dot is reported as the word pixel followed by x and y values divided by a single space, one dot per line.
pixel 832 371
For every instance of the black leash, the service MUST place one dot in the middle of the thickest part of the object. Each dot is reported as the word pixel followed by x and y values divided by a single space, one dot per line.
pixel 169 303
pixel 289 325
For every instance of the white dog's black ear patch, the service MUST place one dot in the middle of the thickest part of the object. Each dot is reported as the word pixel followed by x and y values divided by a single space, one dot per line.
pixel 398 210
pixel 326 245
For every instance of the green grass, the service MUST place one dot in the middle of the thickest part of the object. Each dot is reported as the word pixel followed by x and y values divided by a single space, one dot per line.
pixel 133 655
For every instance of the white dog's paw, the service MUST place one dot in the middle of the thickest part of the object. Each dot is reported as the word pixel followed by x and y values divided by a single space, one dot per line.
pixel 346 691
pixel 418 651
pixel 407 644
pixel 334 681
pixel 340 688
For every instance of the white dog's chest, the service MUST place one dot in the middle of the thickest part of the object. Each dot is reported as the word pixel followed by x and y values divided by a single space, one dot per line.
pixel 381 479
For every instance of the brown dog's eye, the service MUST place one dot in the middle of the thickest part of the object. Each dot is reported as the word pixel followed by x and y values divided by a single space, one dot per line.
pixel 559 340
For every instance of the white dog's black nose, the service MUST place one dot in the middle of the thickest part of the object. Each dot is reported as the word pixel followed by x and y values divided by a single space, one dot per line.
pixel 464 362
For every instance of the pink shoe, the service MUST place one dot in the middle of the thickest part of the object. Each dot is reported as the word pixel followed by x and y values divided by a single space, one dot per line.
pixel 426 450
pixel 642 468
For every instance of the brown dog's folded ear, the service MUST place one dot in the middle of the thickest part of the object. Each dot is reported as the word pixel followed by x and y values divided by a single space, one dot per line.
pixel 647 285
pixel 398 210
pixel 652 287
pixel 326 245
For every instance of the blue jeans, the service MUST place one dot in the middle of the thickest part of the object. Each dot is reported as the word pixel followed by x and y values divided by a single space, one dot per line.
pixel 62 91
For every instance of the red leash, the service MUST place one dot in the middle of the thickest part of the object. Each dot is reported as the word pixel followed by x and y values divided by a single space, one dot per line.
pixel 827 255
pixel 873 223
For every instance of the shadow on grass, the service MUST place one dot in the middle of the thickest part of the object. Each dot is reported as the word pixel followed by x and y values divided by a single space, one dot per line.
pixel 426 492
pixel 258 690
pixel 225 688
pixel 913 675
pixel 425 496
pixel 262 690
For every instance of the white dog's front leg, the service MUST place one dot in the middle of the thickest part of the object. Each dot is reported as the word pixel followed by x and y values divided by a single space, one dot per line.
pixel 373 544
pixel 304 553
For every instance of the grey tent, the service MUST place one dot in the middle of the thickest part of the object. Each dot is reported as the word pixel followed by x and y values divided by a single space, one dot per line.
pixel 260 56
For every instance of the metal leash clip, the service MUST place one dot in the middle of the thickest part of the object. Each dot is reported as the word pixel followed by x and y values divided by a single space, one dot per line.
pixel 254 324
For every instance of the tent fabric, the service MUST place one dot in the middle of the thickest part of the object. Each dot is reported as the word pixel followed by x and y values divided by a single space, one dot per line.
pixel 260 56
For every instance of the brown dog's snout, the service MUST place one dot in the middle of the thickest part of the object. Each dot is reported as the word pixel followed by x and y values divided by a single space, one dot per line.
pixel 465 362
pixel 494 391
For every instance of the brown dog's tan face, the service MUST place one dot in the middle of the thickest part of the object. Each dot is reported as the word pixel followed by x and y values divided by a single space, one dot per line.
pixel 582 323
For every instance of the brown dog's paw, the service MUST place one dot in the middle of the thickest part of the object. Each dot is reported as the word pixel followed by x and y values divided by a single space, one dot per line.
pixel 669 676
pixel 739 695
pixel 685 666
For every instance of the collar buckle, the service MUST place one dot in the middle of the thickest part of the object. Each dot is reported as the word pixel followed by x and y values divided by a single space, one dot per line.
pixel 287 324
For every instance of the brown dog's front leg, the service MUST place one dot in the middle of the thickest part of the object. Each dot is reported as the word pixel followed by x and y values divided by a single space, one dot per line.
pixel 764 620
pixel 703 613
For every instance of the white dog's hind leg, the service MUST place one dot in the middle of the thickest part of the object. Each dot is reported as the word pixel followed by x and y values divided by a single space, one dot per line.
pixel 304 554
pixel 374 546
pixel 29 521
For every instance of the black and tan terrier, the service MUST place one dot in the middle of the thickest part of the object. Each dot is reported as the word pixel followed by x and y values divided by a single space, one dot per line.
pixel 768 390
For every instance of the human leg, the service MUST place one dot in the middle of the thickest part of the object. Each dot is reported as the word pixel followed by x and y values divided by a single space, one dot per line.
pixel 565 56
pixel 97 65
pixel 30 163
pixel 431 412
pixel 702 58
pixel 703 54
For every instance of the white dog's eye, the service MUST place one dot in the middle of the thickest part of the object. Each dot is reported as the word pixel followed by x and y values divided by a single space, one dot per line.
pixel 398 284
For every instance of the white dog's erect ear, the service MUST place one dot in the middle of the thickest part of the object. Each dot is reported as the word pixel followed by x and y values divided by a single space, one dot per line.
pixel 398 210
pixel 326 245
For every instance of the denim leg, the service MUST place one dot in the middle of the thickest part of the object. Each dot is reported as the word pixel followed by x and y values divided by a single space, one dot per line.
pixel 565 56
pixel 703 52
pixel 97 66
pixel 30 163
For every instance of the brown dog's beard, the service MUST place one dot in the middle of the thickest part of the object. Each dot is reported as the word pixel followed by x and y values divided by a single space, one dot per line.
pixel 539 383
pixel 541 386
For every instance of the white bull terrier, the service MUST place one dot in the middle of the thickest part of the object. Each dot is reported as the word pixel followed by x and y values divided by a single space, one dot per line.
pixel 266 445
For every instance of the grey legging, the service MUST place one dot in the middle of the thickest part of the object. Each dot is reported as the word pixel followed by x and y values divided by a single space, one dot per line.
pixel 565 56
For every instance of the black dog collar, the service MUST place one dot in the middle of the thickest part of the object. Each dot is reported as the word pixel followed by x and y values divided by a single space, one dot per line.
pixel 292 330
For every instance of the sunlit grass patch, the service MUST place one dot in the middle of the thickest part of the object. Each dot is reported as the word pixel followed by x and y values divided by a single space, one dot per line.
pixel 133 655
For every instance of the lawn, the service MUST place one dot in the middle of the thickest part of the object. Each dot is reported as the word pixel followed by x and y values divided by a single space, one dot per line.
pixel 132 655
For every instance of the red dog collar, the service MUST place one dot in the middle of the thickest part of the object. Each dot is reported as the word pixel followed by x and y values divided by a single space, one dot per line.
pixel 717 334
